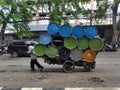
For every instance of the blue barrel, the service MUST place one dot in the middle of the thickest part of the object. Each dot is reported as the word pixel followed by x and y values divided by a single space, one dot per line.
pixel 45 39
pixel 78 31
pixel 90 32
pixel 53 28
pixel 65 31
pixel 64 53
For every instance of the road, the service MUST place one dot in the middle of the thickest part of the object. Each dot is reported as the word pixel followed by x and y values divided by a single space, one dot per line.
pixel 15 72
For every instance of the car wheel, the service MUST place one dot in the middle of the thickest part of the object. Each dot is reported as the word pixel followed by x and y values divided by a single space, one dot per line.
pixel 14 54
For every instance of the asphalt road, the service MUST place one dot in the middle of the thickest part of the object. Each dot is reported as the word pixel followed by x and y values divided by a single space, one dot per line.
pixel 15 72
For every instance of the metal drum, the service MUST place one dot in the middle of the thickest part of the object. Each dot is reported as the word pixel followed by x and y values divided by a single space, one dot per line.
pixel 90 32
pixel 57 40
pixel 78 32
pixel 96 44
pixel 70 42
pixel 76 54
pixel 39 49
pixel 45 39
pixel 53 28
pixel 65 31
pixel 64 53
pixel 51 51
pixel 89 55
pixel 83 43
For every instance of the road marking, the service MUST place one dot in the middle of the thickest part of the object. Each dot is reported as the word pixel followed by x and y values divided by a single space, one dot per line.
pixel 31 89
pixel 1 88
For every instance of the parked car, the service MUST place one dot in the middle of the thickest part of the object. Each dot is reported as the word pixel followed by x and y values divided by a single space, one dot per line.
pixel 19 47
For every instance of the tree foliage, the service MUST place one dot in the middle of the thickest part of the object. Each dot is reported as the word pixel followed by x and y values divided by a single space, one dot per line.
pixel 19 13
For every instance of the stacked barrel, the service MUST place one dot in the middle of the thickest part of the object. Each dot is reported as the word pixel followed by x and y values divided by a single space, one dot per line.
pixel 66 43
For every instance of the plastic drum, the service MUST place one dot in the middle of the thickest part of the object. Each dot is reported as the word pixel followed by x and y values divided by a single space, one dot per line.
pixel 65 31
pixel 78 32
pixel 70 42
pixel 64 53
pixel 83 43
pixel 76 54
pixel 45 39
pixel 90 32
pixel 57 40
pixel 53 28
pixel 39 49
pixel 89 55
pixel 51 51
pixel 96 44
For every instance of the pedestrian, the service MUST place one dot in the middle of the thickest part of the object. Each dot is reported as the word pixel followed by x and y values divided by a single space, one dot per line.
pixel 33 61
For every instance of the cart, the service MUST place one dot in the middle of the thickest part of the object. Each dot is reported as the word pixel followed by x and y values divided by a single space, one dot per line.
pixel 69 64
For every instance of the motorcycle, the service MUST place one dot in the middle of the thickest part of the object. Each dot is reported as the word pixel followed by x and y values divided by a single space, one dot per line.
pixel 3 49
pixel 111 46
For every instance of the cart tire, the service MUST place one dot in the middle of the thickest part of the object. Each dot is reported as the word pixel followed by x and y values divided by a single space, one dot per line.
pixel 68 66
pixel 87 67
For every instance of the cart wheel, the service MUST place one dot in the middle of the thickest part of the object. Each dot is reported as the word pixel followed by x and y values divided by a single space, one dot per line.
pixel 68 66
pixel 87 66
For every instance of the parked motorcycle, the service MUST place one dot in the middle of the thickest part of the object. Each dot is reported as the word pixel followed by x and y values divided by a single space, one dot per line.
pixel 3 49
pixel 111 46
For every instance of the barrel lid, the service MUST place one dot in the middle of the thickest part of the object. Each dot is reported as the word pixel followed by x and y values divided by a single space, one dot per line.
pixel 96 44
pixel 53 28
pixel 90 32
pixel 57 40
pixel 51 51
pixel 64 53
pixel 70 42
pixel 65 31
pixel 78 31
pixel 45 39
pixel 83 43
pixel 76 54
pixel 89 55
pixel 39 49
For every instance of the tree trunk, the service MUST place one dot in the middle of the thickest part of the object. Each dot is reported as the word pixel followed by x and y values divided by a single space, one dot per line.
pixel 2 32
pixel 115 31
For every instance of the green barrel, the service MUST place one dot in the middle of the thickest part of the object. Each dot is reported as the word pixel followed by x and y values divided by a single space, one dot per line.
pixel 39 49
pixel 70 42
pixel 76 54
pixel 96 44
pixel 83 43
pixel 51 51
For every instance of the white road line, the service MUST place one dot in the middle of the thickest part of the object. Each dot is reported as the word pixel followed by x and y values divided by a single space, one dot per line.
pixel 1 88
pixel 31 89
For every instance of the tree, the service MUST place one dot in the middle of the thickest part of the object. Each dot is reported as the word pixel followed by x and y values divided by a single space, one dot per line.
pixel 58 11
pixel 74 7
pixel 114 9
pixel 15 12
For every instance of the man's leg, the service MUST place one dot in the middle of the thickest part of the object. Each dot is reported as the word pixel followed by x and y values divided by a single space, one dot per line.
pixel 32 65
pixel 38 65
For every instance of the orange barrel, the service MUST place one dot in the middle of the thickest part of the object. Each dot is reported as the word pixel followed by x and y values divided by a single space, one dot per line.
pixel 83 43
pixel 39 49
pixel 51 51
pixel 70 42
pixel 96 44
pixel 76 54
pixel 89 55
